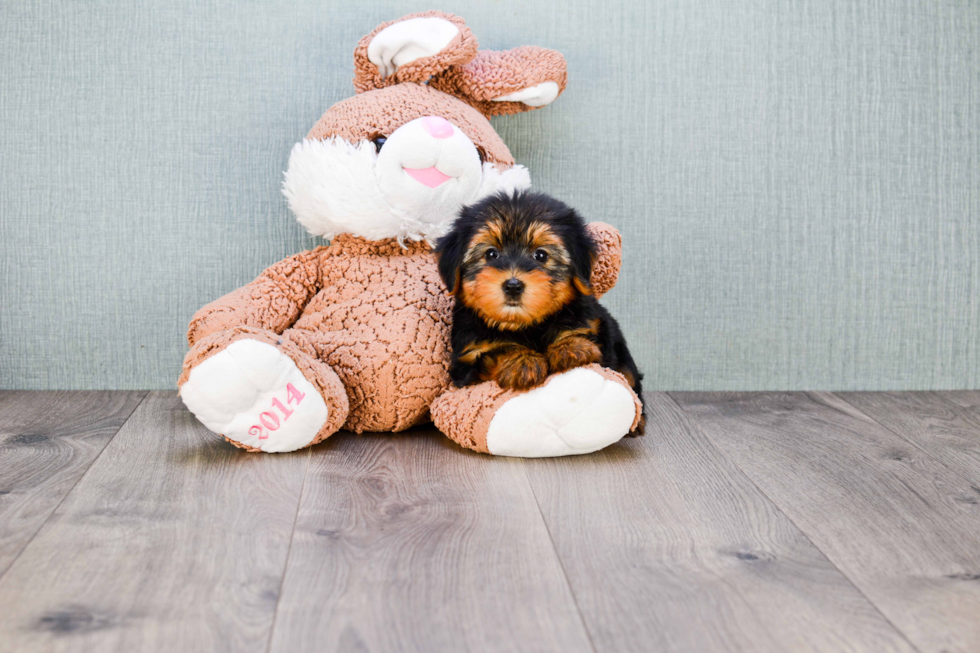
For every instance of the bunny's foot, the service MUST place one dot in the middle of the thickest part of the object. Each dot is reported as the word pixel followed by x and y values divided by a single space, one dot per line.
pixel 261 391
pixel 576 412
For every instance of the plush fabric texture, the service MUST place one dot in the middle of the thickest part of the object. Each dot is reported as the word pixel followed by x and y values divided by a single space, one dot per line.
pixel 465 414
pixel 334 186
pixel 375 312
pixel 380 112
pixel 477 77
pixel 293 345
pixel 572 413
pixel 495 74
pixel 460 50
pixel 609 257
pixel 366 320
pixel 252 390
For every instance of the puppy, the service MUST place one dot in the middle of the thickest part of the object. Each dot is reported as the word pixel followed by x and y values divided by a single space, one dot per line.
pixel 519 267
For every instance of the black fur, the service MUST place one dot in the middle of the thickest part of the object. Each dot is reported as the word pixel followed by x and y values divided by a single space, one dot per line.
pixel 517 212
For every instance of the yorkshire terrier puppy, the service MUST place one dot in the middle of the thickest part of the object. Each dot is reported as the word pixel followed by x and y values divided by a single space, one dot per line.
pixel 519 267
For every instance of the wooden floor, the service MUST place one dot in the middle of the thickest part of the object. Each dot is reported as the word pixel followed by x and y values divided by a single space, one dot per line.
pixel 741 522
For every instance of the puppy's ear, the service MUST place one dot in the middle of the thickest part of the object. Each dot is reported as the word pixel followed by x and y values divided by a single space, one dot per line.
pixel 583 254
pixel 450 250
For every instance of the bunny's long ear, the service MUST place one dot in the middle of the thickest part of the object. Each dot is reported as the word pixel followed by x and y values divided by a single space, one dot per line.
pixel 511 81
pixel 413 48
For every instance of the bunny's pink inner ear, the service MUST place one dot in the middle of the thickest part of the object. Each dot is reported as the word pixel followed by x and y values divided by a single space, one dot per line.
pixel 511 81
pixel 412 49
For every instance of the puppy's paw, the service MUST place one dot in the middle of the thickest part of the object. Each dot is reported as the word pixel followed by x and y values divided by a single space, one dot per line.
pixel 520 370
pixel 568 353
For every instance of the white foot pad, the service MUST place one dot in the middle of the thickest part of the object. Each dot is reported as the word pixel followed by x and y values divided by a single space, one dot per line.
pixel 577 412
pixel 254 394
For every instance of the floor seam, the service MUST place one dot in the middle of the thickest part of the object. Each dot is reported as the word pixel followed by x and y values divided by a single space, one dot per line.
pixel 802 532
pixel 942 395
pixel 561 563
pixel 3 573
pixel 289 549
pixel 970 482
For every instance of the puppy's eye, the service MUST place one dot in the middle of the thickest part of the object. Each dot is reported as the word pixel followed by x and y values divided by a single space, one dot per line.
pixel 379 142
pixel 492 254
pixel 540 255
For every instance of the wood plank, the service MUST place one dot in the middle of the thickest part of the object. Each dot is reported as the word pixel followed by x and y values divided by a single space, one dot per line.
pixel 47 441
pixel 410 543
pixel 173 541
pixel 964 398
pixel 945 430
pixel 884 512
pixel 668 547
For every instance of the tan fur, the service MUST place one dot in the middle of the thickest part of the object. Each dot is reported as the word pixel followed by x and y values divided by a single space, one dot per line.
pixel 543 296
pixel 517 368
pixel 581 286
pixel 475 350
pixel 540 235
pixel 572 351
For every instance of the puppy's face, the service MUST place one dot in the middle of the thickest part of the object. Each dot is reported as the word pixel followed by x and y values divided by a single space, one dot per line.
pixel 518 260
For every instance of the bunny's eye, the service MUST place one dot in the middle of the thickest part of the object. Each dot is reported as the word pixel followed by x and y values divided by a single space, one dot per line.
pixel 483 158
pixel 379 142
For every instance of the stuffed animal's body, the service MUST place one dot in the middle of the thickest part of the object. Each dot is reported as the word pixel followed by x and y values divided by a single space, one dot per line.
pixel 355 335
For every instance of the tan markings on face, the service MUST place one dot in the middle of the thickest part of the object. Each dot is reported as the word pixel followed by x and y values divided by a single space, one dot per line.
pixel 540 235
pixel 543 296
pixel 489 235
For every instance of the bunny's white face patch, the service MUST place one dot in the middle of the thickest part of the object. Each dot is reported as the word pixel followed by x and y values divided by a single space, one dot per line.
pixel 428 169
pixel 413 188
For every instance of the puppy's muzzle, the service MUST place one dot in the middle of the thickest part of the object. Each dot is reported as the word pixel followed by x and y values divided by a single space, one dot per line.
pixel 513 288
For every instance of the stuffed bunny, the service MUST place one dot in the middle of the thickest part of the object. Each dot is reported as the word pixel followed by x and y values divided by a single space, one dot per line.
pixel 355 335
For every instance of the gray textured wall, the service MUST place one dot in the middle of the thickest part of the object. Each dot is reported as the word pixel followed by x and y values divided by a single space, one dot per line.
pixel 798 182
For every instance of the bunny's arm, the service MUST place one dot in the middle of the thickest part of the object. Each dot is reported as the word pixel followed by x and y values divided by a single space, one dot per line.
pixel 609 256
pixel 274 300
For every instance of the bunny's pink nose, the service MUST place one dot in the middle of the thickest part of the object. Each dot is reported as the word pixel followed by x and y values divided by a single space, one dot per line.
pixel 437 127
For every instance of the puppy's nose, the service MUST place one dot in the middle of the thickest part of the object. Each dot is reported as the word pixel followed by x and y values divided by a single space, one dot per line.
pixel 437 127
pixel 513 287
